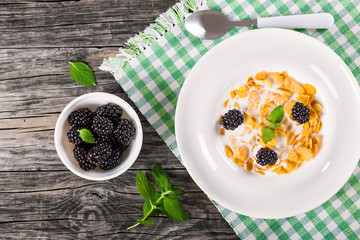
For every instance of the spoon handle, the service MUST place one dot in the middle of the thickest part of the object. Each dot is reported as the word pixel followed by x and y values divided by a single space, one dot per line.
pixel 313 21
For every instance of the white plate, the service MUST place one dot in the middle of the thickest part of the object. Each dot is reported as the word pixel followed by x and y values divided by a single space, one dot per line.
pixel 228 65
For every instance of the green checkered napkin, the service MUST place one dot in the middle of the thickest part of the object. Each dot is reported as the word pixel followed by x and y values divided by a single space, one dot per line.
pixel 154 64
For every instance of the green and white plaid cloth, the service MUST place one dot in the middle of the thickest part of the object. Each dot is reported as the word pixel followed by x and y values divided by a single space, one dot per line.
pixel 153 67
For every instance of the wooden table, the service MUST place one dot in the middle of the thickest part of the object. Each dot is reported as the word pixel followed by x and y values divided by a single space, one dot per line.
pixel 39 196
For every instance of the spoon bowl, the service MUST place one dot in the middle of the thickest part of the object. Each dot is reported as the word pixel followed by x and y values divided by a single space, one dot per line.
pixel 207 24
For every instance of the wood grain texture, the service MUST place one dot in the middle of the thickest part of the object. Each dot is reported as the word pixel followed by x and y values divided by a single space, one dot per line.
pixel 39 197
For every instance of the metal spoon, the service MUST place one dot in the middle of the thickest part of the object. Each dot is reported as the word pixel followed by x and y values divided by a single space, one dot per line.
pixel 210 24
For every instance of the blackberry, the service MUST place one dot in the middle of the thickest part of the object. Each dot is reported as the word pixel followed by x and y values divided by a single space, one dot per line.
pixel 104 138
pixel 300 113
pixel 80 118
pixel 73 135
pixel 102 126
pixel 119 147
pixel 111 111
pixel 99 153
pixel 125 131
pixel 113 161
pixel 80 154
pixel 266 156
pixel 232 119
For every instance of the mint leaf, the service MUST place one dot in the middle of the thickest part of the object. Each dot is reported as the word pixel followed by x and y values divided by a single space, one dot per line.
pixel 86 136
pixel 277 114
pixel 161 179
pixel 173 208
pixel 146 207
pixel 145 188
pixel 155 212
pixel 186 216
pixel 267 134
pixel 275 125
pixel 147 222
pixel 82 73
pixel 177 192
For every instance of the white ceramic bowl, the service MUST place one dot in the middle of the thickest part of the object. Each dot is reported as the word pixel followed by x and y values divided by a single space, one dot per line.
pixel 65 149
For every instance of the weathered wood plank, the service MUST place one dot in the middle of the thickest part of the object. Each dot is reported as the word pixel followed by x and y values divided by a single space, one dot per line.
pixel 21 68
pixel 77 23
pixel 72 205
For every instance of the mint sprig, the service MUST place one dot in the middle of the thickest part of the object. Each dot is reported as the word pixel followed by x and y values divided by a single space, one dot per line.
pixel 86 136
pixel 275 118
pixel 82 73
pixel 276 115
pixel 267 134
pixel 164 201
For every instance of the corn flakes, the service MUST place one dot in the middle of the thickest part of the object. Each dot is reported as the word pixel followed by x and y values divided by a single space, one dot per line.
pixel 296 143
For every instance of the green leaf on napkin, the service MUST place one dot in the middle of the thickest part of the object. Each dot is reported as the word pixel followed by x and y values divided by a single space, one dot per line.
pixel 82 73
pixel 86 136
pixel 155 203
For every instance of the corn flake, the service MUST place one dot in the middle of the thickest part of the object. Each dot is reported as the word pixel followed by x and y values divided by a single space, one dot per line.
pixel 317 107
pixel 304 153
pixel 310 89
pixel 222 131
pixel 229 152
pixel 249 165
pixel 292 156
pixel 291 165
pixel 260 76
pixel 243 153
pixel 254 99
pixel 276 77
pixel 242 92
pixel 267 83
pixel 295 86
pixel 238 161
pixel 249 120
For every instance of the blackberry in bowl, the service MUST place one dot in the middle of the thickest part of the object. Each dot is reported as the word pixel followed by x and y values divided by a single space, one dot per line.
pixel 104 157
pixel 300 113
pixel 232 119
